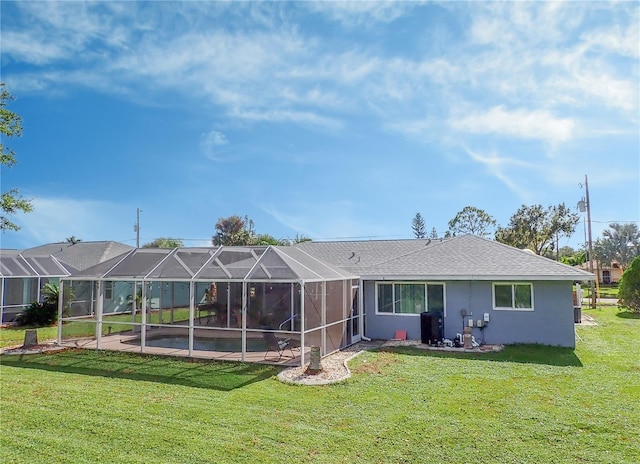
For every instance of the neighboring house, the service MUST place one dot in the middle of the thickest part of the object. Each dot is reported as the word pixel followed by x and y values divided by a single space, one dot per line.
pixel 25 272
pixel 507 295
pixel 80 255
pixel 606 274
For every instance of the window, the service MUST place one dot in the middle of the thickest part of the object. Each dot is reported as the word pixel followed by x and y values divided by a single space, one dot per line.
pixel 108 290
pixel 516 296
pixel 409 297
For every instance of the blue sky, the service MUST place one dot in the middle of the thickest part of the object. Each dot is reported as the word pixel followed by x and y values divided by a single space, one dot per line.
pixel 332 120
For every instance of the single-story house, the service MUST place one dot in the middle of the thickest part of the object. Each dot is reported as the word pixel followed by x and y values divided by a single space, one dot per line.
pixel 505 294
pixel 225 300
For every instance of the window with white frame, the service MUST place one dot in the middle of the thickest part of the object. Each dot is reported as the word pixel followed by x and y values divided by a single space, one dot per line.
pixel 515 296
pixel 409 297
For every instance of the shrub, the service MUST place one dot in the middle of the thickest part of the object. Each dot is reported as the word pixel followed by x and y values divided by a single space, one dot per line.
pixel 629 286
pixel 38 315
pixel 51 293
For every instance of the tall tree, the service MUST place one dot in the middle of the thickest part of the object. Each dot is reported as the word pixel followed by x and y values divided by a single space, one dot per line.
pixel 234 230
pixel 472 220
pixel 164 242
pixel 10 126
pixel 434 233
pixel 417 224
pixel 619 243
pixel 300 238
pixel 629 286
pixel 266 239
pixel 537 228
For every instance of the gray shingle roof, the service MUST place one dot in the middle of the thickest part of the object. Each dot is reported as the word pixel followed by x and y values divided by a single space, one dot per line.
pixel 361 254
pixel 80 255
pixel 459 258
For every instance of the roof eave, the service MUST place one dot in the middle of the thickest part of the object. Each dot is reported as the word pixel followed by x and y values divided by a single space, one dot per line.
pixel 440 277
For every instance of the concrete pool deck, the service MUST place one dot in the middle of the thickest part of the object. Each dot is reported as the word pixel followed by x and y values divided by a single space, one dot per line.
pixel 122 342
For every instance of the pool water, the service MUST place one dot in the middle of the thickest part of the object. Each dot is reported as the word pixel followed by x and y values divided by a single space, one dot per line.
pixel 204 344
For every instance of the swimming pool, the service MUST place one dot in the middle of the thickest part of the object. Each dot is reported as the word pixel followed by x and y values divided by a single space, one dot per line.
pixel 179 342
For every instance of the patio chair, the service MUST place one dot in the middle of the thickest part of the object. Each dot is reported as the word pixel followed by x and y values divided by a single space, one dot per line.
pixel 278 344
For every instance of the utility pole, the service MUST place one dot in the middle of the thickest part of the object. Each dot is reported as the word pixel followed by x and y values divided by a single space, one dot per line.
pixel 582 205
pixel 136 227
pixel 593 293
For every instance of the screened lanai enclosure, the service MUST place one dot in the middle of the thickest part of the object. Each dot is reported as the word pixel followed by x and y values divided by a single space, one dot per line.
pixel 22 279
pixel 259 303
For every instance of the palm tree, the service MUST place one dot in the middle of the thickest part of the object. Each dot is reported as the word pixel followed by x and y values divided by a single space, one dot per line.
pixel 164 242
pixel 51 293
pixel 620 243
pixel 266 239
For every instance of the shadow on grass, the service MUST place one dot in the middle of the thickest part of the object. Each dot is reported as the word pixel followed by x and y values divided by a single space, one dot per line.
pixel 216 375
pixel 526 354
pixel 626 314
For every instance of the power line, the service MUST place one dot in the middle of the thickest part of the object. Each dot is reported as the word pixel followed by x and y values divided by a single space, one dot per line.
pixel 606 222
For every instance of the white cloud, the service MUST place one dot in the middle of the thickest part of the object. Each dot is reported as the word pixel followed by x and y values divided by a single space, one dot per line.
pixel 329 219
pixel 216 138
pixel 505 169
pixel 297 117
pixel 361 13
pixel 619 40
pixel 54 219
pixel 605 89
pixel 541 61
pixel 210 142
pixel 521 123
pixel 514 25
pixel 21 47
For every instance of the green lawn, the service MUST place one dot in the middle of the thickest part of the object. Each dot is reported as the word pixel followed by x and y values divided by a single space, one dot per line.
pixel 11 336
pixel 525 404
pixel 111 323
pixel 603 291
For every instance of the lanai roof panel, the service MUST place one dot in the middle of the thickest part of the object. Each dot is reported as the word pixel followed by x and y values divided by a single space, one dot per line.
pixel 46 266
pixel 271 266
pixel 138 264
pixel 14 264
pixel 231 263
